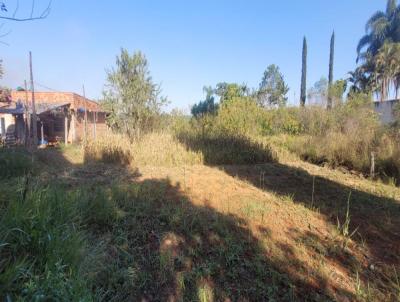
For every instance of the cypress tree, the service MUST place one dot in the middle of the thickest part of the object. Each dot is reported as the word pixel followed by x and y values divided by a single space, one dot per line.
pixel 330 78
pixel 303 74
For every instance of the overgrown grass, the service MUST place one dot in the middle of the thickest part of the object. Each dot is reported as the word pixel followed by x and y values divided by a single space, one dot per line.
pixel 183 148
pixel 14 162
pixel 344 136
pixel 225 149
pixel 155 149
pixel 127 243
pixel 42 248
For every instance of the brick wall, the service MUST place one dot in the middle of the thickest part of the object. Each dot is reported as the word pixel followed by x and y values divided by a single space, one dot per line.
pixel 78 104
pixel 101 126
pixel 76 100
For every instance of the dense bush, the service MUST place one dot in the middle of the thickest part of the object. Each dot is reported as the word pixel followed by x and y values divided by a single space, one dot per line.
pixel 344 136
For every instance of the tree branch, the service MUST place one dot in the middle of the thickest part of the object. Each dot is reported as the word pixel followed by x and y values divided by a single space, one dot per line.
pixel 32 16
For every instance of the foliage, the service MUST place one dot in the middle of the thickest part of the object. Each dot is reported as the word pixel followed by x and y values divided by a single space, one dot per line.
pixel 5 95
pixel 387 69
pixel 42 248
pixel 240 116
pixel 336 91
pixel 361 79
pixel 14 162
pixel 208 106
pixel 303 74
pixel 380 28
pixel 273 89
pixel 317 95
pixel 131 96
pixel 227 91
pixel 379 52
pixel 344 136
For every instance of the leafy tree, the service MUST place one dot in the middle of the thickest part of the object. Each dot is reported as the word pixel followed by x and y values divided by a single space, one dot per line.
pixel 5 93
pixel 330 77
pixel 319 92
pixel 303 74
pixel 131 96
pixel 273 89
pixel 380 28
pixel 337 90
pixel 208 106
pixel 228 91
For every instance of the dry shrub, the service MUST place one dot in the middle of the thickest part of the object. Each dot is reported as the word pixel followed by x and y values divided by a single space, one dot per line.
pixel 346 136
pixel 110 148
pixel 388 156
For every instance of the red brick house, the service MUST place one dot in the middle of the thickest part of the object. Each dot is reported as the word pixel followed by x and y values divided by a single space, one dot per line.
pixel 60 115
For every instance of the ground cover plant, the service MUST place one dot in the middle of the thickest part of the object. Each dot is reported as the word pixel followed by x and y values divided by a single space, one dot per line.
pixel 279 230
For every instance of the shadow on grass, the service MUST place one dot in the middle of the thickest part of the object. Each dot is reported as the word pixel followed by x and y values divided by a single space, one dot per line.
pixel 164 248
pixel 227 149
pixel 375 219
pixel 156 245
pixel 115 155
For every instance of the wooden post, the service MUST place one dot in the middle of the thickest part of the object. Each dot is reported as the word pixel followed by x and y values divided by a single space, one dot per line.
pixel 73 130
pixel 41 133
pixel 85 124
pixel 372 171
pixel 94 124
pixel 27 117
pixel 66 128
pixel 34 117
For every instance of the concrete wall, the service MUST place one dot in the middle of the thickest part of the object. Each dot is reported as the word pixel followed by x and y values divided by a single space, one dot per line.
pixel 385 110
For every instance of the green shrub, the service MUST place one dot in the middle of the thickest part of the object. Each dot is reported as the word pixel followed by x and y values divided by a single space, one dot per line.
pixel 240 116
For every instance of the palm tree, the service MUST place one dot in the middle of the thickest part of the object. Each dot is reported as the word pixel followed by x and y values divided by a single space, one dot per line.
pixel 381 27
pixel 387 70
pixel 362 78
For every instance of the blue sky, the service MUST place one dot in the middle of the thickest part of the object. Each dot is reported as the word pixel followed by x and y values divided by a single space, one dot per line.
pixel 189 44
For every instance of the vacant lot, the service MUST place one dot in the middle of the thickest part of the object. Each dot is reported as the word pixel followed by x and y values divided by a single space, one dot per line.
pixel 280 231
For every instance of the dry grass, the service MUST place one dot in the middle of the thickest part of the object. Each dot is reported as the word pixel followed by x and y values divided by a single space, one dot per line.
pixel 274 202
pixel 165 149
pixel 155 149
pixel 184 230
